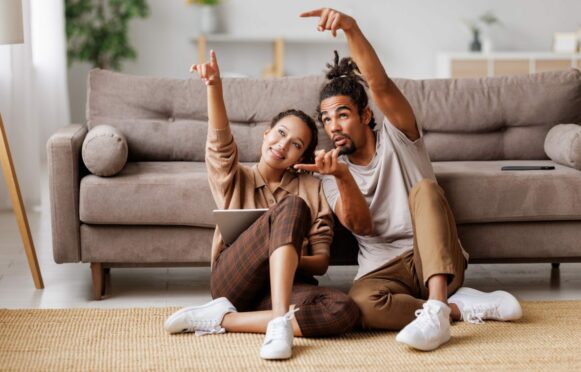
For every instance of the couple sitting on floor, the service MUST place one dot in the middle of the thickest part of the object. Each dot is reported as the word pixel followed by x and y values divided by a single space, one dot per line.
pixel 379 183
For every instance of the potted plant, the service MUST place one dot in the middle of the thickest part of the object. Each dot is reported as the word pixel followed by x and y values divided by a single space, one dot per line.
pixel 210 20
pixel 97 30
pixel 481 28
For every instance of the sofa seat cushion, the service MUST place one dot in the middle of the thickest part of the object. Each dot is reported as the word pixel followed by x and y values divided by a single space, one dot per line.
pixel 478 191
pixel 149 193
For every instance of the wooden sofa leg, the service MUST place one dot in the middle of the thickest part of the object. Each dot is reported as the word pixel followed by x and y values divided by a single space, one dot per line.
pixel 555 265
pixel 98 273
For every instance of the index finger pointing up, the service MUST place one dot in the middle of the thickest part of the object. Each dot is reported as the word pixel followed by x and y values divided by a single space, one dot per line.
pixel 312 13
pixel 213 59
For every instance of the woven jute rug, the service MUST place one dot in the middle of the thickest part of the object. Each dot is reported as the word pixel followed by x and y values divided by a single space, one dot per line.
pixel 547 337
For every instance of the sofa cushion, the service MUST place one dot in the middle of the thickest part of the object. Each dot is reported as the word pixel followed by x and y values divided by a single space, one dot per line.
pixel 104 150
pixel 481 192
pixel 497 118
pixel 146 244
pixel 166 119
pixel 177 193
pixel 563 145
pixel 149 193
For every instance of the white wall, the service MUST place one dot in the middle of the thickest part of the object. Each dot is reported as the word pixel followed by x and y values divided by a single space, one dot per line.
pixel 407 34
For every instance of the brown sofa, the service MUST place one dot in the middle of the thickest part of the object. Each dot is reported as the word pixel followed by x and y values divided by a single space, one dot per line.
pixel 157 210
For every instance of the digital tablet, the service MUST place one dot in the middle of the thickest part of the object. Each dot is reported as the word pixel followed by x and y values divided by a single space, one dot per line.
pixel 232 222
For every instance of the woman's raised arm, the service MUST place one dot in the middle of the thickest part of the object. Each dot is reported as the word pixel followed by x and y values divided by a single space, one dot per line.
pixel 210 74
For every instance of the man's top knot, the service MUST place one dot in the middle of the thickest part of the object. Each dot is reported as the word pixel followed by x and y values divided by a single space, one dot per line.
pixel 344 68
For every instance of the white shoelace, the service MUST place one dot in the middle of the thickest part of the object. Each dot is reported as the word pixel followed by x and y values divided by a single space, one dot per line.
pixel 476 314
pixel 279 332
pixel 205 327
pixel 428 317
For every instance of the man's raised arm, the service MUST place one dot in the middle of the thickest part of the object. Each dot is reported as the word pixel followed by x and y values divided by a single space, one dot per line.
pixel 384 92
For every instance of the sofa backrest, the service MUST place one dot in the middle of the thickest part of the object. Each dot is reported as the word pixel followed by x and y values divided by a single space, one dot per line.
pixel 468 119
pixel 499 118
pixel 167 119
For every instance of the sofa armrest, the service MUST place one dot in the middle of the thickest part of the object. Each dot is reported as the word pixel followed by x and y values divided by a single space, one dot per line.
pixel 65 170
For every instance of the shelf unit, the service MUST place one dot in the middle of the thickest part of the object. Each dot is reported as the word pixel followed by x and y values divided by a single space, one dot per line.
pixel 274 69
pixel 462 65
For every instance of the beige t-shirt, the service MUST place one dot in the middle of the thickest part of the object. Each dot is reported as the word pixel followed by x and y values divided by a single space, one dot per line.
pixel 238 186
pixel 385 183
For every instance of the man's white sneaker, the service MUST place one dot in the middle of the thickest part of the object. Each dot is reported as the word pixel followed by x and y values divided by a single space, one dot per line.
pixel 278 342
pixel 430 329
pixel 475 306
pixel 204 319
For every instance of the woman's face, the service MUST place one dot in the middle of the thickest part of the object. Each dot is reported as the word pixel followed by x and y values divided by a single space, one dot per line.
pixel 284 144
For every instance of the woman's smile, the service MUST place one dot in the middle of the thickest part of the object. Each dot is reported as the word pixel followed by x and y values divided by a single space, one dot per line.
pixel 277 154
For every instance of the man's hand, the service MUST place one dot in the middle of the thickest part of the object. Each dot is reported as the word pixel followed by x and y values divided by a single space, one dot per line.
pixel 326 163
pixel 209 71
pixel 351 207
pixel 330 19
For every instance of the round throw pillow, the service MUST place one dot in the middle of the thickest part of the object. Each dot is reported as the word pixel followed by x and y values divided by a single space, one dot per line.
pixel 563 145
pixel 105 151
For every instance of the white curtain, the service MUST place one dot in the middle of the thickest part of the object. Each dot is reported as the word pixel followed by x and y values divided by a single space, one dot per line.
pixel 49 57
pixel 33 93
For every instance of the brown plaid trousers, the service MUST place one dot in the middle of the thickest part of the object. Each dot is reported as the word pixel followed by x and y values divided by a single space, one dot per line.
pixel 241 273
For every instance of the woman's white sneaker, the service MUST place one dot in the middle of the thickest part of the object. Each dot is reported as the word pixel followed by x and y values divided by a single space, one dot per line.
pixel 430 329
pixel 476 306
pixel 278 342
pixel 204 319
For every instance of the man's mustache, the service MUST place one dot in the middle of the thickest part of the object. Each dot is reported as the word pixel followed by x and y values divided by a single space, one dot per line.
pixel 341 134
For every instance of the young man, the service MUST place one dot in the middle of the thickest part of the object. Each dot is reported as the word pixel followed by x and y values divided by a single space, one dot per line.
pixel 382 187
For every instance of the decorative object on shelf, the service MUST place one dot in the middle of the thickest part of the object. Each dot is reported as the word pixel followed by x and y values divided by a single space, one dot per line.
pixel 481 28
pixel 488 21
pixel 475 45
pixel 11 32
pixel 210 22
pixel 565 42
pixel 97 30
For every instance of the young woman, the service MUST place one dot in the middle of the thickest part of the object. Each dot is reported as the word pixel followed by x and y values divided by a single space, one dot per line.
pixel 263 282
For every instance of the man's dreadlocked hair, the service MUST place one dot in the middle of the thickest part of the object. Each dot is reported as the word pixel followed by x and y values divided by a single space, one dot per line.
pixel 345 80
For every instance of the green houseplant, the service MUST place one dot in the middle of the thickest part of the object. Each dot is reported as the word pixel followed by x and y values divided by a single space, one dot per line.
pixel 203 2
pixel 97 30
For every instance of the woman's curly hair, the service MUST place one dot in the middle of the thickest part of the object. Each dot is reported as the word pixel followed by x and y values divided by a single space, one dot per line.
pixel 345 80
pixel 309 154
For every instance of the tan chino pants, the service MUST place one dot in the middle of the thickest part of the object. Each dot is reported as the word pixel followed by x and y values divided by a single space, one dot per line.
pixel 389 295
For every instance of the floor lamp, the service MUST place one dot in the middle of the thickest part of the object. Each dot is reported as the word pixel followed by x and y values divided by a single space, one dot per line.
pixel 11 33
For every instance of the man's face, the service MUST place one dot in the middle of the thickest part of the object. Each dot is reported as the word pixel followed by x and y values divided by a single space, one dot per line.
pixel 342 123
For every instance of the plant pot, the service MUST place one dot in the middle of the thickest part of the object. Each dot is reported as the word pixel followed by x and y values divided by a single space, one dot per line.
pixel 487 42
pixel 209 19
pixel 487 46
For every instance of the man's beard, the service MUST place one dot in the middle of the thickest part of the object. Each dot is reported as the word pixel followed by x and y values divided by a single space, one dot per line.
pixel 348 148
